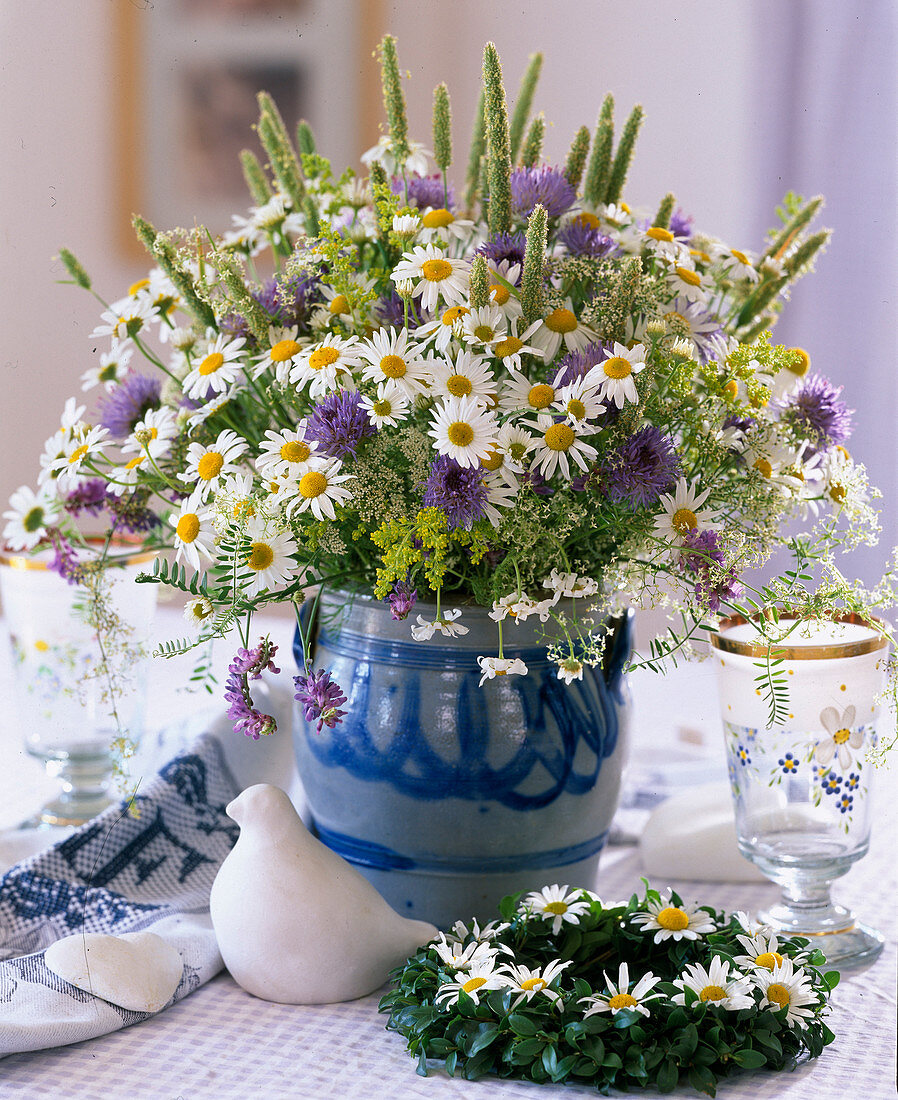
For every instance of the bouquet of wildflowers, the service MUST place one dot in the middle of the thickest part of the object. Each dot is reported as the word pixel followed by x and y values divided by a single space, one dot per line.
pixel 510 389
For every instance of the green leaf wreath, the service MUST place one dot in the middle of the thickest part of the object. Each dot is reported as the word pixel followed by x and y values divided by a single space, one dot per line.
pixel 651 993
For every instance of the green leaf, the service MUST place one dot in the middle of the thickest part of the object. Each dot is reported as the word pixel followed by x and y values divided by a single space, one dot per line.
pixel 749 1059
pixel 451 1061
pixel 522 1025
pixel 667 1076
pixel 421 1068
pixel 550 1060
pixel 528 1048
pixel 831 979
pixel 483 1037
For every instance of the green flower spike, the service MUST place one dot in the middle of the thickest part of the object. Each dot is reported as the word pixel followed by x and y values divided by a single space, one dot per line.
pixel 497 143
pixel 524 103
pixel 281 154
pixel 394 101
pixel 305 139
pixel 533 146
pixel 442 135
pixel 662 218
pixel 74 268
pixel 164 251
pixel 479 282
pixel 576 158
pixel 624 155
pixel 254 175
pixel 232 276
pixel 534 263
pixel 599 170
pixel 478 151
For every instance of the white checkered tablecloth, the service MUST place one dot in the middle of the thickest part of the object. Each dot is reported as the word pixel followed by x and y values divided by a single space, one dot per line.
pixel 222 1044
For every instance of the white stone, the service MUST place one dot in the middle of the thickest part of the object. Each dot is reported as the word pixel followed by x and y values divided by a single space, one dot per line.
pixel 295 923
pixel 135 970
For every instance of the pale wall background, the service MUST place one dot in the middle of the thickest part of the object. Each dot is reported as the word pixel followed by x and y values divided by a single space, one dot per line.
pixel 744 99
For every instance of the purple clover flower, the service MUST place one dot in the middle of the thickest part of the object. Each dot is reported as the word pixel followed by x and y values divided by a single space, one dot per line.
pixel 504 246
pixel 817 411
pixel 89 496
pixel 339 423
pixel 402 599
pixel 545 185
pixel 130 513
pixel 701 556
pixel 249 664
pixel 65 559
pixel 320 698
pixel 640 469
pixel 129 403
pixel 425 191
pixel 581 239
pixel 458 491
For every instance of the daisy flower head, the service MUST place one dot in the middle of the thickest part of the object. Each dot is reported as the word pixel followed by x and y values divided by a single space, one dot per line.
pixel 501 493
pixel 484 326
pixel 194 534
pixel 389 356
pixel 270 558
pixel 208 464
pixel 789 377
pixel 463 430
pixel 683 512
pixel 529 983
pixel 685 281
pixel 439 224
pixel 501 297
pixel 435 276
pixel 787 987
pixel 446 624
pixel 556 441
pixel 198 611
pixel 454 956
pixel 693 321
pixel 663 244
pixel 561 325
pixel 29 516
pixel 123 479
pixel 570 669
pixel 519 607
pixel 285 349
pixel 519 394
pixel 388 407
pixel 319 489
pixel 842 738
pixel 482 976
pixel 491 667
pixel 445 329
pixel 615 374
pixel 556 904
pixel 111 368
pixel 218 368
pixel 619 996
pixel 762 952
pixel 288 453
pixel 124 319
pixel 578 402
pixel 715 985
pixel 739 265
pixel 487 934
pixel 514 344
pixel 154 434
pixel 570 585
pixel 415 163
pixel 465 376
pixel 513 444
pixel 326 366
pixel 85 444
pixel 676 922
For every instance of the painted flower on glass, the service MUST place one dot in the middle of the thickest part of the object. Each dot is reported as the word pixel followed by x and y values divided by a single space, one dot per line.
pixel 842 738
pixel 557 904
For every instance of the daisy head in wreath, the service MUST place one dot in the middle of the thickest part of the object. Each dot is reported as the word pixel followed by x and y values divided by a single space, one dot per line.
pixel 463 430
pixel 619 996
pixel 556 905
pixel 671 919
pixel 714 985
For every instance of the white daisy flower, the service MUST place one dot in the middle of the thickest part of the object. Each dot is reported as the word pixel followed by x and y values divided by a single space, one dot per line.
pixel 570 585
pixel 500 296
pixel 270 557
pixel 554 443
pixel 193 531
pixel 578 402
pixel 111 369
pixel 845 484
pixel 463 430
pixel 570 669
pixel 778 463
pixel 406 225
pixel 614 375
pixel 558 904
pixel 514 345
pixel 683 279
pixel 620 996
pixel 664 244
pixel 529 983
pixel 288 453
pixel 491 667
pixel 487 934
pixel 71 415
pixel 198 611
pixel 388 407
pixel 416 162
pixel 739 265
pixel 715 985
pixel 513 443
pixel 468 375
pixel 456 957
pixel 484 326
pixel 29 515
pixel 519 393
pixel 789 988
pixel 390 356
pixel 561 325
pixel 481 978
pixel 842 738
pixel 789 378
pixel 445 329
pixel 677 922
pixel 446 625
pixel 327 365
pixel 218 369
pixel 123 479
pixel 208 464
pixel 520 606
pixel 286 347
pixel 762 952
pixel 439 224
pixel 85 443
pixel 153 434
pixel 235 500
pixel 319 489
pixel 124 319
pixel 499 496
pixel 749 924
pixel 683 512
pixel 202 414
pixel 439 277
pixel 692 321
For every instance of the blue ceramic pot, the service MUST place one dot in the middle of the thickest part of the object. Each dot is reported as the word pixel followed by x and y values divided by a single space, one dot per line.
pixel 447 795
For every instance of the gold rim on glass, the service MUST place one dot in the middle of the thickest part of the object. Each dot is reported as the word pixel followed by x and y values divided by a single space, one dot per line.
pixel 829 651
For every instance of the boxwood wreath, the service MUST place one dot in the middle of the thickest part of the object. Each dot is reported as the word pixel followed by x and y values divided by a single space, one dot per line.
pixel 647 993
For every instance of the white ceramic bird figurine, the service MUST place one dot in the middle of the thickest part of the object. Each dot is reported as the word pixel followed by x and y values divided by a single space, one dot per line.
pixel 295 923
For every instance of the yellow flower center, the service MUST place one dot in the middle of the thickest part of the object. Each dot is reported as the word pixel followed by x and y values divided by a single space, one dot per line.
pixel 540 397
pixel 134 463
pixel 211 363
pixel 763 467
pixel 210 465
pixel 500 294
pixel 473 983
pixel 740 256
pixel 622 1000
pixel 261 556
pixel 659 234
pixel 312 484
pixel 135 288
pixel 339 304
pixel 677 323
pixel 560 437
pixel 295 450
pixel 460 434
pixel 556 907
pixel 484 333
pixel 683 521
pixel 731 390
pixel 712 993
pixel 769 959
pixel 435 271
pixel 617 367
pixel 284 350
pixel 188 527
pixel 322 357
pixel 33 519
pixel 699 255
pixel 561 320
pixel 437 219
pixel 41 646
pixel 841 736
pixel 78 454
pixel 837 493
pixel 576 408
pixel 690 277
pixel 382 408
pixel 533 983
pixel 800 361
pixel 673 919
pixel 779 994
pixel 393 366
pixel 590 221
pixel 453 314
pixel 458 385
pixel 511 345
pixel 493 460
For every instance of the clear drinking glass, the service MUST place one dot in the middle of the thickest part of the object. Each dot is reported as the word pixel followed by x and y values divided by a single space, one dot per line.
pixel 802 790
pixel 65 700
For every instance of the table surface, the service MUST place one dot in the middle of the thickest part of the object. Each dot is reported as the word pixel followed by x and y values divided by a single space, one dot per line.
pixel 220 1042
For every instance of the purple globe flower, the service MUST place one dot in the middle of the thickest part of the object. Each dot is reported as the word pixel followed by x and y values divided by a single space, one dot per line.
pixel 129 403
pixel 320 698
pixel 545 185
pixel 425 191
pixel 640 469
pixel 817 411
pixel 339 423
pixel 681 225
pixel 504 246
pixel 576 364
pixel 581 239
pixel 458 491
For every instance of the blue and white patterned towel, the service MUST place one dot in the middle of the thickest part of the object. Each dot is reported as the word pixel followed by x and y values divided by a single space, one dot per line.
pixel 117 874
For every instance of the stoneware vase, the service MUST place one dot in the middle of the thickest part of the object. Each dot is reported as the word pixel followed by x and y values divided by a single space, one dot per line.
pixel 445 794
